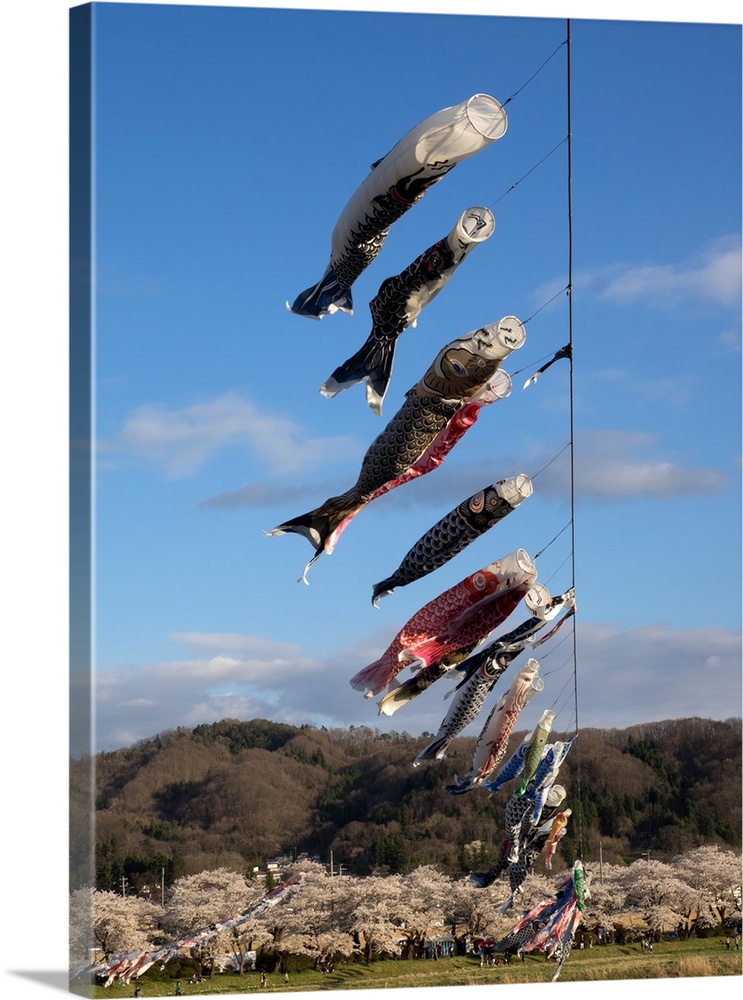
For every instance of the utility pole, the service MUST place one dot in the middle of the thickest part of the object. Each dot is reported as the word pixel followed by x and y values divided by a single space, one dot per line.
pixel 123 885
pixel 331 864
pixel 601 863
pixel 162 887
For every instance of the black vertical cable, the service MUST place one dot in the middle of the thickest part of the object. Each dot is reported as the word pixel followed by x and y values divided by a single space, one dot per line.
pixel 572 417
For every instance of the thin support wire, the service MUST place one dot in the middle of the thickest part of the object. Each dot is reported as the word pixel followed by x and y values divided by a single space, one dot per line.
pixel 536 73
pixel 572 407
pixel 529 171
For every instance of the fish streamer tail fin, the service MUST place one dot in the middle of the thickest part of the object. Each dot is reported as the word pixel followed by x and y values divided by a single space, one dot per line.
pixel 375 677
pixel 321 526
pixel 435 750
pixel 373 363
pixel 382 589
pixel 326 297
pixel 481 880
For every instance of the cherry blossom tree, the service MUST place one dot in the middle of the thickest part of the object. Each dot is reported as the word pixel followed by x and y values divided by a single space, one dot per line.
pixel 314 919
pixel 475 913
pixel 374 916
pixel 420 908
pixel 118 923
pixel 607 903
pixel 653 888
pixel 210 897
pixel 714 877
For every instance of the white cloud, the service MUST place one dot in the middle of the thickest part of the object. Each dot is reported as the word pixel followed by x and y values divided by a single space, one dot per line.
pixel 625 676
pixel 613 465
pixel 234 642
pixel 730 341
pixel 653 673
pixel 714 275
pixel 181 441
pixel 265 494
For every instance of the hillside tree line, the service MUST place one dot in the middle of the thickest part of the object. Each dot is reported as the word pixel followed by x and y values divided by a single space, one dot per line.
pixel 234 793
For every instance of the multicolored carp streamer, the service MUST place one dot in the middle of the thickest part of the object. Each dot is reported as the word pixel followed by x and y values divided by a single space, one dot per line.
pixel 124 966
pixel 559 930
pixel 534 749
pixel 471 631
pixel 549 767
pixel 493 740
pixel 558 829
pixel 513 766
pixel 550 926
pixel 454 532
pixel 525 810
pixel 459 371
pixel 528 753
pixel 531 838
pixel 498 387
pixel 399 302
pixel 447 628
pixel 482 669
pixel 396 182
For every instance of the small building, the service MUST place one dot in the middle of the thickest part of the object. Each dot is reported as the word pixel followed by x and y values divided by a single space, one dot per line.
pixel 440 946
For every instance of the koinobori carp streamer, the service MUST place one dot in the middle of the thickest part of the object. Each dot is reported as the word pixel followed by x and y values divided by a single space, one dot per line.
pixel 396 182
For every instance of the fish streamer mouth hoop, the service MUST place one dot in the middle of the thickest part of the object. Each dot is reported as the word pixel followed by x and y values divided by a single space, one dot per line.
pixel 486 116
pixel 510 333
pixel 522 561
pixel 475 225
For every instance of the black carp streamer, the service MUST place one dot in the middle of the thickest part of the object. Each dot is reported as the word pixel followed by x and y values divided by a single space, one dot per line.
pixel 396 182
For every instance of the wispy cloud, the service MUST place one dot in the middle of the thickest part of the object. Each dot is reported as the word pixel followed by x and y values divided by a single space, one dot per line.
pixel 730 341
pixel 266 494
pixel 230 676
pixel 610 465
pixel 714 275
pixel 620 465
pixel 652 673
pixel 181 441
pixel 625 676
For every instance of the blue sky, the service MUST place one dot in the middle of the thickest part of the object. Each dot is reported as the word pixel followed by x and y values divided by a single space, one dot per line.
pixel 656 195
pixel 228 141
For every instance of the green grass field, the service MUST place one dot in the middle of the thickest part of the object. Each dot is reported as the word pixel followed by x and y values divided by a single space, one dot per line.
pixel 677 959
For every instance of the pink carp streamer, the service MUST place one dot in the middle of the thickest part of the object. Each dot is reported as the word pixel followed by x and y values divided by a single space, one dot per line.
pixel 446 628
pixel 460 370
pixel 499 387
pixel 493 740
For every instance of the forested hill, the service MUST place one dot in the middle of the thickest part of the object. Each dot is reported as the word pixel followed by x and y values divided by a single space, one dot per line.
pixel 234 794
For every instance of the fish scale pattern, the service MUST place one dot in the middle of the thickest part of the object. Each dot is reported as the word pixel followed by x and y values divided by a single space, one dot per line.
pixel 448 537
